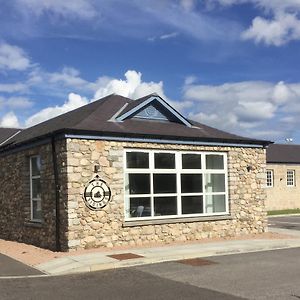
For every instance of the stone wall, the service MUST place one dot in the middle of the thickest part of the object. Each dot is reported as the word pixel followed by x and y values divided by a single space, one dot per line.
pixel 15 221
pixel 281 196
pixel 106 228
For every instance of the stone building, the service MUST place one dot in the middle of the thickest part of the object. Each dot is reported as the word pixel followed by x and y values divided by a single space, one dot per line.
pixel 283 172
pixel 122 172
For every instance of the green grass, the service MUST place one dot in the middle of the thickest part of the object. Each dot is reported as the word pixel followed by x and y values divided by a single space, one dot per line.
pixel 284 212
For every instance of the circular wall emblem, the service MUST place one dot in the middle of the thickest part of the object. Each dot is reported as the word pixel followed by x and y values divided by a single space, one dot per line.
pixel 151 111
pixel 96 194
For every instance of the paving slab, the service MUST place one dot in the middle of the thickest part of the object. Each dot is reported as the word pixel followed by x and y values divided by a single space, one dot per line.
pixel 102 261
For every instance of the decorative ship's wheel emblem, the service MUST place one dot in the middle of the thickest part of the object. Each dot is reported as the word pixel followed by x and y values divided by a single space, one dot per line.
pixel 96 194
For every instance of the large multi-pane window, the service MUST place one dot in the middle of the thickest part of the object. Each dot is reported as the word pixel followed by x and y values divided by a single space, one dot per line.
pixel 35 188
pixel 163 184
pixel 270 176
pixel 290 178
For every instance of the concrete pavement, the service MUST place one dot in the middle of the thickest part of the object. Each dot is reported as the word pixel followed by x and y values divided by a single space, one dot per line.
pixel 140 256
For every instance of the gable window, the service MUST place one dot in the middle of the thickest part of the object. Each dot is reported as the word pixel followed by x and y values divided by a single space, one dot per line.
pixel 270 178
pixel 290 178
pixel 164 184
pixel 35 188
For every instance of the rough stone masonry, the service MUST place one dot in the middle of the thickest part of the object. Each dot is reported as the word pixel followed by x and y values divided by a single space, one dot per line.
pixel 107 228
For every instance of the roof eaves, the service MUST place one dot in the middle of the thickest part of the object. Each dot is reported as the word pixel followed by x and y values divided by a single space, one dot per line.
pixel 93 134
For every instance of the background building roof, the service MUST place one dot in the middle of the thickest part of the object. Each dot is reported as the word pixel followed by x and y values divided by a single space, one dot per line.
pixel 6 133
pixel 283 153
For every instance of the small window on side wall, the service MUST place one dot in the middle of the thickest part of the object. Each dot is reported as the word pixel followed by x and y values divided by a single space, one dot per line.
pixel 35 188
pixel 270 178
pixel 290 178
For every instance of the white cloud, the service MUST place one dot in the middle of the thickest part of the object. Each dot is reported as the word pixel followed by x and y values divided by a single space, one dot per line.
pixel 188 5
pixel 15 102
pixel 13 58
pixel 82 9
pixel 74 101
pixel 254 111
pixel 12 87
pixel 279 27
pixel 190 80
pixel 230 92
pixel 246 107
pixel 131 87
pixel 274 5
pixel 283 92
pixel 166 36
pixel 279 31
pixel 9 120
pixel 18 103
pixel 68 76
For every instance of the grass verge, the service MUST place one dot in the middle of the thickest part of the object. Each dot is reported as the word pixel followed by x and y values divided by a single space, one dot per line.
pixel 284 212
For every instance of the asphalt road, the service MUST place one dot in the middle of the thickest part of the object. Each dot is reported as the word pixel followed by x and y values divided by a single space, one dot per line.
pixel 285 222
pixel 261 275
pixel 11 267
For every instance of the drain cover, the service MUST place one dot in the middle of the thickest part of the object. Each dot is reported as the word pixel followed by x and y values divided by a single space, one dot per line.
pixel 124 256
pixel 196 262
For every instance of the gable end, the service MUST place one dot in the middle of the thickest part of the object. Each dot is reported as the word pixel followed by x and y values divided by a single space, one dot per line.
pixel 154 108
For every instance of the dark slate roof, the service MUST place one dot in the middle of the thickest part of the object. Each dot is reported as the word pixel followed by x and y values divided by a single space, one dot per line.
pixel 5 133
pixel 283 153
pixel 97 118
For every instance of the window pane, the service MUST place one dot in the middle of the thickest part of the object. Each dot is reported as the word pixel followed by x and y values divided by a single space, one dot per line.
pixel 191 161
pixel 191 183
pixel 165 206
pixel 36 210
pixel 36 188
pixel 214 161
pixel 138 160
pixel 164 183
pixel 35 166
pixel 269 178
pixel 290 177
pixel 192 204
pixel 214 183
pixel 164 161
pixel 215 203
pixel 139 183
pixel 140 207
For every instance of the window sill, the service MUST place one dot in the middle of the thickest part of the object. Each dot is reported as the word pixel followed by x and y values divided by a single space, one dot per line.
pixel 175 220
pixel 35 224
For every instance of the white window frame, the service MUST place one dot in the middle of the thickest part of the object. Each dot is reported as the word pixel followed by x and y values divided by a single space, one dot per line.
pixel 32 199
pixel 178 171
pixel 290 178
pixel 270 179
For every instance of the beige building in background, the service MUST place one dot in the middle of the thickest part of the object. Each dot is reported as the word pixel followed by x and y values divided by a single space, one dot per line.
pixel 283 177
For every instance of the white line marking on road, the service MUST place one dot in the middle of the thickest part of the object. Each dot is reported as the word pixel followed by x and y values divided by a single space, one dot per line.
pixel 24 276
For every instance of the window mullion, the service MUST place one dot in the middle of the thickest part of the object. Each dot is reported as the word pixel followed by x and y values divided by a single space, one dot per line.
pixel 31 202
pixel 203 164
pixel 151 169
pixel 178 167
pixel 226 182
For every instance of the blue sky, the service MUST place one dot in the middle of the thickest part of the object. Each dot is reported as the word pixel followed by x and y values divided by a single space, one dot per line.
pixel 231 64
